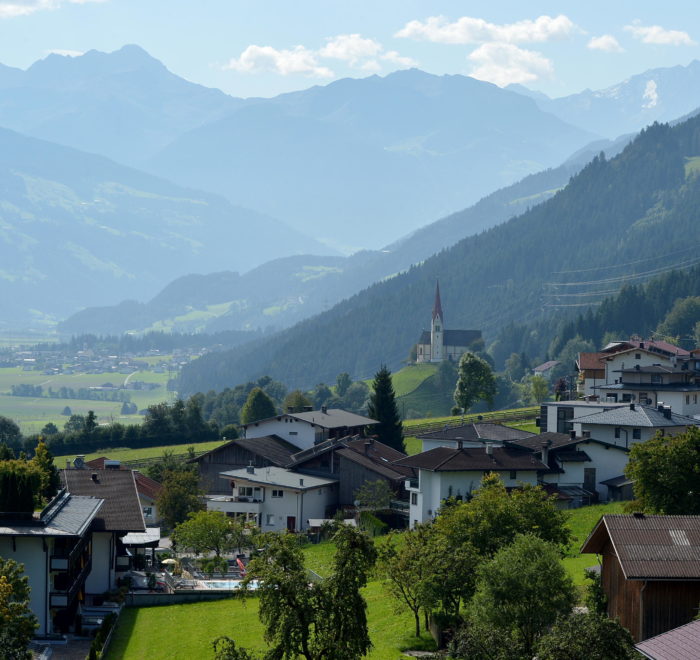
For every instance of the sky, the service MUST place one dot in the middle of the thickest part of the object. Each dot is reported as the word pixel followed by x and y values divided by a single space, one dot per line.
pixel 266 47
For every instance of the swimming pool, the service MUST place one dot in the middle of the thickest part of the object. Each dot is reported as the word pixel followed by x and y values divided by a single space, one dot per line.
pixel 227 584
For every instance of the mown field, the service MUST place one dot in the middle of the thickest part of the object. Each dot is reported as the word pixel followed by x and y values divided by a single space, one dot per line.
pixel 32 413
pixel 186 631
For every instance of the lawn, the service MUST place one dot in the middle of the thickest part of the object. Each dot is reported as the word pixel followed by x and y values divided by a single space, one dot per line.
pixel 177 631
pixel 407 379
pixel 145 452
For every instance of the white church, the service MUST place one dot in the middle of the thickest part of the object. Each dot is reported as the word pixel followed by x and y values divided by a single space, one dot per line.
pixel 438 344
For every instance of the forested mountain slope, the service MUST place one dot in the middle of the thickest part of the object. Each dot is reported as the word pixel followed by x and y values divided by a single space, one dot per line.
pixel 644 203
pixel 78 229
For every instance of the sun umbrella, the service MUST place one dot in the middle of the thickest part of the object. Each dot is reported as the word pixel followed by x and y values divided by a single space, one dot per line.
pixel 169 561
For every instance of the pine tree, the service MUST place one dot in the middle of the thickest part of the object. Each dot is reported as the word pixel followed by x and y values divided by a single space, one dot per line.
pixel 382 407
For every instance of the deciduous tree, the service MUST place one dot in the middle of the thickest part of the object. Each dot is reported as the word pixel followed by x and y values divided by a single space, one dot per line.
pixel 180 497
pixel 50 480
pixel 209 531
pixel 296 400
pixel 257 406
pixel 666 473
pixel 17 622
pixel 475 382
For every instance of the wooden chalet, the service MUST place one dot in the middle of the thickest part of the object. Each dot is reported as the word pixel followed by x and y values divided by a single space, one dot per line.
pixel 650 570
pixel 265 451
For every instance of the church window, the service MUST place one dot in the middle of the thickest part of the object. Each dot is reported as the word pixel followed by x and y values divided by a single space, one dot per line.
pixel 437 328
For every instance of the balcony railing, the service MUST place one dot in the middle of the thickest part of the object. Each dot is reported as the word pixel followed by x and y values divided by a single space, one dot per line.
pixel 63 597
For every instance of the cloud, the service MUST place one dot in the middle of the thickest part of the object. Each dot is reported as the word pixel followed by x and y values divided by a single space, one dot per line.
pixel 650 96
pixel 14 8
pixel 298 60
pixel 655 34
pixel 504 64
pixel 66 52
pixel 355 50
pixel 605 42
pixel 395 58
pixel 469 30
pixel 350 47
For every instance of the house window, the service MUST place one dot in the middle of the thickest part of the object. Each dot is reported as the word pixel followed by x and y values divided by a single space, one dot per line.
pixel 414 499
pixel 245 491
pixel 148 511
pixel 277 493
pixel 270 519
pixel 627 398
pixel 637 356
pixel 513 474
pixel 636 434
pixel 294 433
pixel 687 399
pixel 617 432
pixel 656 379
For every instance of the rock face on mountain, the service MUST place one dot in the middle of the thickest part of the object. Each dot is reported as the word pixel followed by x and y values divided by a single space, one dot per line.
pixel 655 95
pixel 78 229
pixel 359 162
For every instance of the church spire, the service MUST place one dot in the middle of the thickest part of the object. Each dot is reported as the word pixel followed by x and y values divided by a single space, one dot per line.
pixel 437 307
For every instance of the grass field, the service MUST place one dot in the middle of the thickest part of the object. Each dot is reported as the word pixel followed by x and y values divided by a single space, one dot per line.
pixel 125 454
pixel 186 631
pixel 407 379
pixel 33 413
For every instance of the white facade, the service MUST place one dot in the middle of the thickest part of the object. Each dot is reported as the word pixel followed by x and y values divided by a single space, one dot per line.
pixel 431 488
pixel 276 506
pixel 630 359
pixel 298 432
pixel 102 577
pixel 623 436
pixel 560 413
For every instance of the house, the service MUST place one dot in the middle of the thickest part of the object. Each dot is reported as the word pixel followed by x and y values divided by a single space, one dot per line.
pixel 276 499
pixel 545 369
pixel 630 423
pixel 650 570
pixel 557 416
pixel 354 461
pixel 148 489
pixel 260 452
pixel 438 344
pixel 56 549
pixel 445 472
pixel 591 372
pixel 120 514
pixel 472 435
pixel 579 466
pixel 308 428
pixel 681 643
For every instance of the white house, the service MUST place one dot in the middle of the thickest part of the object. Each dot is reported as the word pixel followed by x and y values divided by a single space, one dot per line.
pixel 557 416
pixel 630 423
pixel 445 472
pixel 275 498
pixel 57 552
pixel 308 428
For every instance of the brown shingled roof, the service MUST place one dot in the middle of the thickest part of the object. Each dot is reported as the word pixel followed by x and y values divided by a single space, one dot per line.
pixel 121 511
pixel 591 361
pixel 650 547
pixel 682 643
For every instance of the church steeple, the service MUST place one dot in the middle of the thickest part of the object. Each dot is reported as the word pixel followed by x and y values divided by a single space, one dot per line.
pixel 437 306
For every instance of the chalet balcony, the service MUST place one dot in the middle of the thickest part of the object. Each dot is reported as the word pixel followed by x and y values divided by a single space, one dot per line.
pixel 234 504
pixel 411 484
pixel 66 587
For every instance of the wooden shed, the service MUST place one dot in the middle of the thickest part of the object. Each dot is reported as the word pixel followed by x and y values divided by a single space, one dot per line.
pixel 650 570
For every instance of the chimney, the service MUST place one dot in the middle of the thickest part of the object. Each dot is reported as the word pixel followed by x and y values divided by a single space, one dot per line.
pixel 546 444
pixel 460 444
pixel 368 444
pixel 250 469
pixel 572 434
pixel 632 406
pixel 660 406
pixel 667 412
pixel 324 410
pixel 301 482
pixel 93 476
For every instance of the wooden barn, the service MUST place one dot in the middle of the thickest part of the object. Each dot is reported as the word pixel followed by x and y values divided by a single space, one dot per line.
pixel 650 570
pixel 266 451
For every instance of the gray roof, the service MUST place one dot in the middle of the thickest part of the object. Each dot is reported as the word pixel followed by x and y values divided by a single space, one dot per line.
pixel 681 643
pixel 651 387
pixel 446 459
pixel 650 547
pixel 275 476
pixel 641 416
pixel 477 431
pixel 333 418
pixel 270 447
pixel 618 482
pixel 453 337
pixel 71 516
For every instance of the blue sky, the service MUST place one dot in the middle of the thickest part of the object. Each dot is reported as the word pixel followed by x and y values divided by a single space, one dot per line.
pixel 265 47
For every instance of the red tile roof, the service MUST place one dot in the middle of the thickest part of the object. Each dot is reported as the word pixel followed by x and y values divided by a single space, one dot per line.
pixel 591 361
